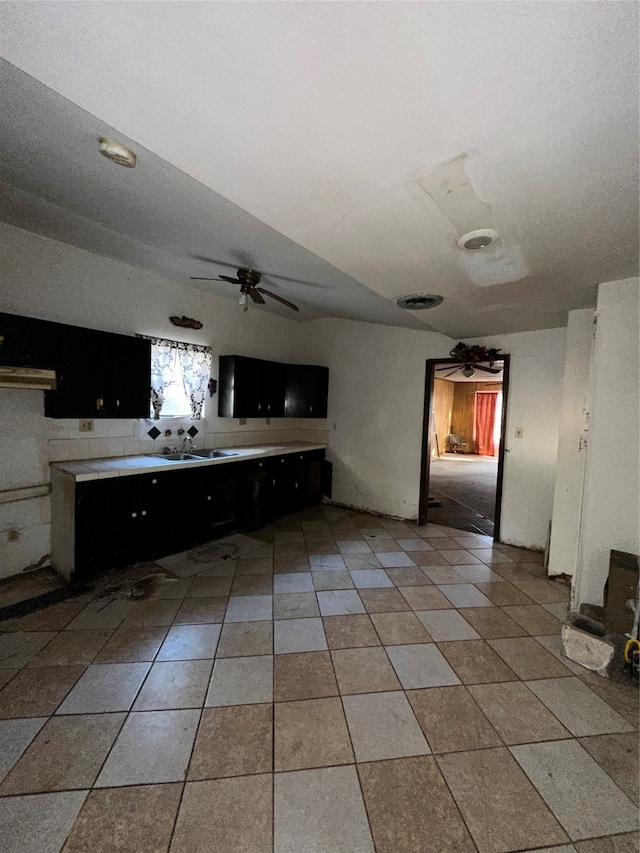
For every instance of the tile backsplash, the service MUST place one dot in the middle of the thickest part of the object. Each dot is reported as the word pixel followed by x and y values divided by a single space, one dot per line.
pixel 133 437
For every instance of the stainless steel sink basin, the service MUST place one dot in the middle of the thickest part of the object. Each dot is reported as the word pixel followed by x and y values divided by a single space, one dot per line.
pixel 175 457
pixel 213 454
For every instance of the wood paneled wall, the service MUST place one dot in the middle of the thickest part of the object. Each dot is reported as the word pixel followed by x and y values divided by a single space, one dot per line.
pixel 464 406
pixel 443 392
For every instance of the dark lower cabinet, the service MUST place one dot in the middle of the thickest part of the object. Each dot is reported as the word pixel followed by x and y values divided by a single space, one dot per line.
pixel 122 520
pixel 282 485
pixel 117 517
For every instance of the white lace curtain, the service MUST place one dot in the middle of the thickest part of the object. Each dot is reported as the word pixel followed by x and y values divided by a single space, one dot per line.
pixel 195 366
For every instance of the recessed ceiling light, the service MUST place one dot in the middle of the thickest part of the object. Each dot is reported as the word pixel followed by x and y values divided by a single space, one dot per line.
pixel 118 153
pixel 478 239
pixel 419 301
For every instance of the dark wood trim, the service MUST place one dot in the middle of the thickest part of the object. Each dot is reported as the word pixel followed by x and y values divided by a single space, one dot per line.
pixel 425 464
pixel 502 450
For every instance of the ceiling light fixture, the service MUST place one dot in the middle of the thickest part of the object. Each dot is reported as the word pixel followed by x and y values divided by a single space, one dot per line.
pixel 419 301
pixel 244 301
pixel 468 371
pixel 118 153
pixel 480 239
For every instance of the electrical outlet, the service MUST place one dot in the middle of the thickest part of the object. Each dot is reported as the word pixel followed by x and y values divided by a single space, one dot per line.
pixel 242 421
pixel 13 535
pixel 335 426
pixel 85 425
pixel 518 432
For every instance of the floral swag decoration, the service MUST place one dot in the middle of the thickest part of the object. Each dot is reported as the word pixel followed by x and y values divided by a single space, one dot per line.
pixel 195 362
pixel 473 354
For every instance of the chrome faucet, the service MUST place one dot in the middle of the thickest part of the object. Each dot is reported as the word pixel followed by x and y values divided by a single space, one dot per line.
pixel 184 444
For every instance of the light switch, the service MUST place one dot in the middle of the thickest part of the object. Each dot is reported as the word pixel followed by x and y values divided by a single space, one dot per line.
pixel 518 432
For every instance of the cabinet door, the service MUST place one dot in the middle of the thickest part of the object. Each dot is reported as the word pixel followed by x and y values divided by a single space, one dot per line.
pixel 120 520
pixel 26 342
pixel 82 385
pixel 273 389
pixel 307 387
pixel 100 375
pixel 241 387
pixel 127 364
pixel 104 529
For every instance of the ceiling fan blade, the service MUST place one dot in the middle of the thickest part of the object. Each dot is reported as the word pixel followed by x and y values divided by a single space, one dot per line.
pixel 440 369
pixel 219 278
pixel 452 372
pixel 253 293
pixel 488 369
pixel 278 298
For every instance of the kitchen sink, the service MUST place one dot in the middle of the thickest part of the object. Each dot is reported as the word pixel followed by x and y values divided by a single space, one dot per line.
pixel 213 454
pixel 176 457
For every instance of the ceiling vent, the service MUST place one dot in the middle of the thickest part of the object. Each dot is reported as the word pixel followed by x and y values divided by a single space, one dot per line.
pixel 419 301
pixel 474 240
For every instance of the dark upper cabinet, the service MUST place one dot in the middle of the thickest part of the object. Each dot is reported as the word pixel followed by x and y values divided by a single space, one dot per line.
pixel 99 374
pixel 250 388
pixel 254 388
pixel 26 342
pixel 307 389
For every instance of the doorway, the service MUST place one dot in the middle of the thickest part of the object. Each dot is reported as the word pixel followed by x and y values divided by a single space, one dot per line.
pixel 463 445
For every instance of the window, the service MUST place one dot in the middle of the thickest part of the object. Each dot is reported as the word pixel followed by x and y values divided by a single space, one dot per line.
pixel 179 378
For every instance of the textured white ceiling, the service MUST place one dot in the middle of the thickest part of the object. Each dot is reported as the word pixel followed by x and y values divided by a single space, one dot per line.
pixel 319 118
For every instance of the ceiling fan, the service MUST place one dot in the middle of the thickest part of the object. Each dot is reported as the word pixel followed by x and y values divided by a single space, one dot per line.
pixel 468 369
pixel 249 280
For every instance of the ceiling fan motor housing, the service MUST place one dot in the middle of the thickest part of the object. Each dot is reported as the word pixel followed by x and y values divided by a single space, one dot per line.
pixel 250 277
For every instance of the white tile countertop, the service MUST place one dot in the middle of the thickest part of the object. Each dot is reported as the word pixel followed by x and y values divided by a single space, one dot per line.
pixel 125 466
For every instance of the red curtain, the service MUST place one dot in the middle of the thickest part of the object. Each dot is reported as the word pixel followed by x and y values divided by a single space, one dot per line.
pixel 485 422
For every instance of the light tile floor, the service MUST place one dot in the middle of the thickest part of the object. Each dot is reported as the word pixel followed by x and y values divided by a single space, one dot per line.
pixel 356 684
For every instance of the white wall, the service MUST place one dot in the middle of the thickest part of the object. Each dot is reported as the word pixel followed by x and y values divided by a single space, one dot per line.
pixel 376 400
pixel 572 448
pixel 535 396
pixel 611 508
pixel 54 281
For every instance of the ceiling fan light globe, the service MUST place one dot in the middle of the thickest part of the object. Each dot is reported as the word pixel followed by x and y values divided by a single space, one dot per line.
pixel 468 371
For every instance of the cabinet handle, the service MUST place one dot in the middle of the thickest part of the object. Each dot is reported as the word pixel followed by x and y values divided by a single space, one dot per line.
pixel 134 515
pixel 260 465
pixel 268 407
pixel 144 512
pixel 154 482
pixel 302 457
pixel 259 407
pixel 208 497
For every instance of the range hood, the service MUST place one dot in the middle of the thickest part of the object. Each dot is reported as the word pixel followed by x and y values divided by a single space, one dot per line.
pixel 27 377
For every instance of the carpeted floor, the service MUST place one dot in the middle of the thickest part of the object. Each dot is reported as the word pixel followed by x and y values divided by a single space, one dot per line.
pixel 469 480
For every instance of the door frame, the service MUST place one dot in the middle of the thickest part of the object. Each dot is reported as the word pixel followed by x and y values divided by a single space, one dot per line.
pixel 425 461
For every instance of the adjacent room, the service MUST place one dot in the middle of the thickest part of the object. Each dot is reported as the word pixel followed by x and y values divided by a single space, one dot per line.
pixel 319 418
pixel 465 437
